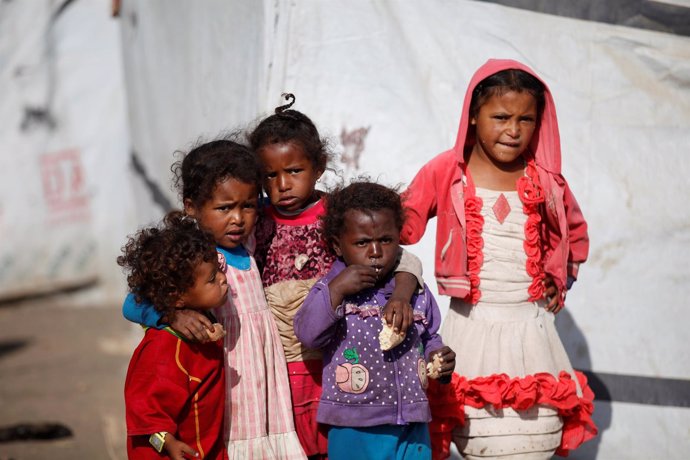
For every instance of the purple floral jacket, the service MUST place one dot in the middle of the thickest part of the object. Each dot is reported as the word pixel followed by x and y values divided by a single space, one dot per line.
pixel 363 385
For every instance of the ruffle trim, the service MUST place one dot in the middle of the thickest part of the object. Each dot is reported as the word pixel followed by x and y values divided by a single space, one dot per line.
pixel 475 244
pixel 531 195
pixel 448 402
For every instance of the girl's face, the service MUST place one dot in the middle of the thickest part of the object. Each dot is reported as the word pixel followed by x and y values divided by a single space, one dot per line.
pixel 369 238
pixel 504 127
pixel 210 288
pixel 230 214
pixel 289 176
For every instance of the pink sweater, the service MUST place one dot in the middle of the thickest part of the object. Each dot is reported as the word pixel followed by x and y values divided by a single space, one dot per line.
pixel 440 188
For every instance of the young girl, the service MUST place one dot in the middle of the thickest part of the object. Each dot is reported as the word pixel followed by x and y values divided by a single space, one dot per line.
pixel 373 399
pixel 509 239
pixel 293 254
pixel 220 185
pixel 174 389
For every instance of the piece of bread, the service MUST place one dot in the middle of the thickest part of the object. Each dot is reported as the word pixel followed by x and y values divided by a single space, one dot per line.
pixel 389 339
pixel 218 332
pixel 433 369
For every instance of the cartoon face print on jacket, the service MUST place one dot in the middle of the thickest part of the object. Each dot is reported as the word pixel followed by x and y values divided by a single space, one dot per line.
pixel 351 377
pixel 421 368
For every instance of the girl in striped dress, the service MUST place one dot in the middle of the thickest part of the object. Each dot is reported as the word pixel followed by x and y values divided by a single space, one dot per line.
pixel 220 183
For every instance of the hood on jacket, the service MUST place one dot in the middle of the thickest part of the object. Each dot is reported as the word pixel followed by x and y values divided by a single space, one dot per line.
pixel 546 142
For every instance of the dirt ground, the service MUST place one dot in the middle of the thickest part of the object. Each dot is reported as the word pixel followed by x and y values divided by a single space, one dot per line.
pixel 65 365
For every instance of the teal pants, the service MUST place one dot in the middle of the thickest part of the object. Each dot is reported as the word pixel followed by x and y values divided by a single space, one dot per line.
pixel 382 442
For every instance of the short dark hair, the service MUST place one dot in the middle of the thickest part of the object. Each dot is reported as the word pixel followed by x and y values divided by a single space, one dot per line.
pixel 507 80
pixel 288 125
pixel 361 195
pixel 211 163
pixel 161 261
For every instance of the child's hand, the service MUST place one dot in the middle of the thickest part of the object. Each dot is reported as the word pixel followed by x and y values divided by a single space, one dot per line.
pixel 551 295
pixel 447 357
pixel 192 325
pixel 350 281
pixel 177 449
pixel 398 313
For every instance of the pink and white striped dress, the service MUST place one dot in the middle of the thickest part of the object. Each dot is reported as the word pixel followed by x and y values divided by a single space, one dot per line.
pixel 258 410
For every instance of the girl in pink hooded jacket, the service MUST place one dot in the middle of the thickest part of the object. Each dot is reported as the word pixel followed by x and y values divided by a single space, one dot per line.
pixel 509 239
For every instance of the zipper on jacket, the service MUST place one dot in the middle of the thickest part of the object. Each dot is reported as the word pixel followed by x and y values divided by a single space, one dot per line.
pixel 399 390
pixel 447 245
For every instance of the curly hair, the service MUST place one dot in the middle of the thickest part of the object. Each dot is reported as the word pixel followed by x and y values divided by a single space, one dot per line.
pixel 211 163
pixel 161 261
pixel 288 125
pixel 360 195
pixel 503 81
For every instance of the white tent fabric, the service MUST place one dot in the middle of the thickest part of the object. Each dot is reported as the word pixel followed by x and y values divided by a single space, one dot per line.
pixel 64 149
pixel 385 80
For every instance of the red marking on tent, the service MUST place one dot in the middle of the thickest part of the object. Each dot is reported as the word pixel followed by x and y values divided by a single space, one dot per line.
pixel 64 187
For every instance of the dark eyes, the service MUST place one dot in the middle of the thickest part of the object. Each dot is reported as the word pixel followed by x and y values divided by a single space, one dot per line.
pixel 507 117
pixel 362 243
pixel 228 207
pixel 291 171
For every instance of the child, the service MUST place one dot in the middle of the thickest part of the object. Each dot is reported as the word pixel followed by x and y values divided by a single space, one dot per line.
pixel 220 185
pixel 509 239
pixel 374 400
pixel 174 388
pixel 293 254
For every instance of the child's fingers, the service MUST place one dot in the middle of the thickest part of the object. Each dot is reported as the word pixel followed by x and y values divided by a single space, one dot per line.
pixel 389 313
pixel 202 320
pixel 552 304
pixel 200 334
pixel 188 451
pixel 192 333
pixel 407 317
pixel 448 354
pixel 395 319
pixel 397 315
pixel 447 368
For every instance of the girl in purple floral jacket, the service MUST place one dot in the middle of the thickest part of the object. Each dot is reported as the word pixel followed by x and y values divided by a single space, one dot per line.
pixel 373 399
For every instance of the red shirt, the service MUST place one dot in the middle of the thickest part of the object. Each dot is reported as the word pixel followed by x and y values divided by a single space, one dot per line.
pixel 179 387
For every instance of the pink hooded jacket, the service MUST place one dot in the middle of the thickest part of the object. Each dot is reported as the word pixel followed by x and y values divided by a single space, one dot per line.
pixel 439 189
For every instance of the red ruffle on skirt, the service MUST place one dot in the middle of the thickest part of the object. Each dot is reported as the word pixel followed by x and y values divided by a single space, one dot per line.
pixel 519 393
